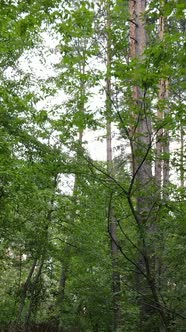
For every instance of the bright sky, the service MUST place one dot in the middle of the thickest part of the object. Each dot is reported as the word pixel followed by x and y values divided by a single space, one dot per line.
pixel 32 62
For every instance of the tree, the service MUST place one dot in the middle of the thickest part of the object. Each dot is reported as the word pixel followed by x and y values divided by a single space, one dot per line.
pixel 106 254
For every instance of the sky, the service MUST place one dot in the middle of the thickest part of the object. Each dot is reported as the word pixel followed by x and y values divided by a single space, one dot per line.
pixel 32 62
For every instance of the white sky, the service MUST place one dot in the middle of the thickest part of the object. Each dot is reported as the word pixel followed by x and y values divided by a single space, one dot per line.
pixel 32 62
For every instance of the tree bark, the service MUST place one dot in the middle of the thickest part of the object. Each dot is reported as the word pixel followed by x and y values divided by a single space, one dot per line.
pixel 116 287
pixel 164 95
pixel 149 301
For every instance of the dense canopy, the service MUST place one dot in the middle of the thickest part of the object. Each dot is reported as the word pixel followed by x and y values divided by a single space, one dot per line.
pixel 92 165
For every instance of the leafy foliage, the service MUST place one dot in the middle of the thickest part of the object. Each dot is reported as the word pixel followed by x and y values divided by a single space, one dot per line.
pixel 56 262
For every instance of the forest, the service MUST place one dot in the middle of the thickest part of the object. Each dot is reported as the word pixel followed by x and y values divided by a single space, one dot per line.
pixel 92 166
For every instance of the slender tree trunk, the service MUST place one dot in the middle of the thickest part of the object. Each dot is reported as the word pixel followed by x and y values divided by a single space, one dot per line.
pixel 33 267
pixel 66 261
pixel 159 141
pixel 68 250
pixel 164 95
pixel 116 287
pixel 15 325
pixel 162 150
pixel 25 289
pixel 149 302
pixel 34 297
pixel 182 172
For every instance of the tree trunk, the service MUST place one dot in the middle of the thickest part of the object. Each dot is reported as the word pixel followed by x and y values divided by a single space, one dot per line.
pixel 34 297
pixel 149 302
pixel 25 289
pixel 162 150
pixel 182 172
pixel 66 261
pixel 164 95
pixel 116 288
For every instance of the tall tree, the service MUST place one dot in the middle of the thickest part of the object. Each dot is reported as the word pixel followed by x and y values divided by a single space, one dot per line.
pixel 142 136
pixel 51 233
pixel 116 289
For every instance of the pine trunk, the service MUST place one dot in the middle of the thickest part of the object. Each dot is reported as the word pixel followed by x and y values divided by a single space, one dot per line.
pixel 148 299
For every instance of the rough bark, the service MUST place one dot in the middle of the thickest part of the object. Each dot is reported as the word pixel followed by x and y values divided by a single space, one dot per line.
pixel 142 138
pixel 149 301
